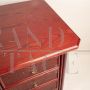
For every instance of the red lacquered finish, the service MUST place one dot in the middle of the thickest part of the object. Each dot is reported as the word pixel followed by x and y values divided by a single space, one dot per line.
pixel 33 40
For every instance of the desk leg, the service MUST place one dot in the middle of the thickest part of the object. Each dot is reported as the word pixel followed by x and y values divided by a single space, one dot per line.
pixel 62 64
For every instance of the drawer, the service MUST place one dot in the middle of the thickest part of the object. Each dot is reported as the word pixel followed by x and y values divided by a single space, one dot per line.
pixel 51 85
pixel 35 68
pixel 34 82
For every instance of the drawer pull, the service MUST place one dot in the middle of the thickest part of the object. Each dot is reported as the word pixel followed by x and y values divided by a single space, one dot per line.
pixel 34 69
pixel 34 72
pixel 35 85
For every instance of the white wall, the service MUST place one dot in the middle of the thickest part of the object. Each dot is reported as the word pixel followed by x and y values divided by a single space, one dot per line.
pixel 4 2
pixel 77 75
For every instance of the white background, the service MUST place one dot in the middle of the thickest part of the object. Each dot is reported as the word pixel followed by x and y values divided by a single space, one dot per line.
pixel 76 13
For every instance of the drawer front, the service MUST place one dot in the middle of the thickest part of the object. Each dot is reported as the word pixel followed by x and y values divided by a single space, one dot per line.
pixel 51 85
pixel 35 68
pixel 36 81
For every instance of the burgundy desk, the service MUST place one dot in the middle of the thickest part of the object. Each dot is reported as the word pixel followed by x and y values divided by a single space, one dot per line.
pixel 34 42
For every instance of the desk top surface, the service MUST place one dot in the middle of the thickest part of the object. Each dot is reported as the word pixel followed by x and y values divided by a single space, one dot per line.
pixel 30 31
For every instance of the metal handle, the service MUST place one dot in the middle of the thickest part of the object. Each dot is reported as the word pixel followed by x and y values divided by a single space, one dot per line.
pixel 34 69
pixel 34 72
pixel 35 85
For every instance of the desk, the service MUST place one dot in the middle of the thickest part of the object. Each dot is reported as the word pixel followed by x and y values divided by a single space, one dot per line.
pixel 34 42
